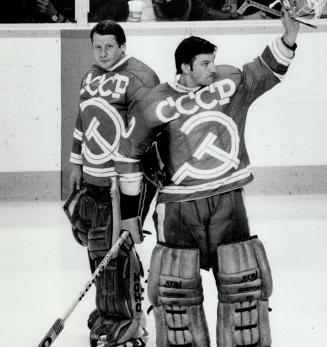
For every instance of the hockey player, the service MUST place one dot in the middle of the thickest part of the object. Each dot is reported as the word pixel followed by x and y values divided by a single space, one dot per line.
pixel 198 123
pixel 107 91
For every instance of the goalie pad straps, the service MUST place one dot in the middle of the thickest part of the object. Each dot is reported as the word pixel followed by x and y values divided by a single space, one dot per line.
pixel 175 290
pixel 119 298
pixel 244 286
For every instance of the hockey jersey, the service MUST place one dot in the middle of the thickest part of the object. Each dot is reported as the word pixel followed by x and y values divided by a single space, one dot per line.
pixel 200 133
pixel 102 118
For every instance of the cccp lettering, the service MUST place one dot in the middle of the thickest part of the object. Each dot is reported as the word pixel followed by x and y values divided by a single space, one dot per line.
pixel 114 86
pixel 218 92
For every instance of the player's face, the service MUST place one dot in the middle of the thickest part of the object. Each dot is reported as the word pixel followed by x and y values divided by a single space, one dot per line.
pixel 202 70
pixel 106 50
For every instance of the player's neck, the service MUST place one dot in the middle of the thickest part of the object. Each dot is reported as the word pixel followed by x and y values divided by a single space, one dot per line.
pixel 185 82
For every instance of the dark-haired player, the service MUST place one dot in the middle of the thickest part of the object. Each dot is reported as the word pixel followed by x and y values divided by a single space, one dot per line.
pixel 198 124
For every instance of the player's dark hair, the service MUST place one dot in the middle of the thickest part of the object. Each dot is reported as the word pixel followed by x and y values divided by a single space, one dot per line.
pixel 109 27
pixel 189 48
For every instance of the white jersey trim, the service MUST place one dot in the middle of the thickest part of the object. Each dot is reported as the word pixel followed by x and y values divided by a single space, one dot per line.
pixel 236 176
pixel 76 158
pixel 131 176
pixel 288 53
pixel 96 172
pixel 280 77
pixel 278 54
pixel 119 157
pixel 78 134
pixel 180 88
pixel 112 68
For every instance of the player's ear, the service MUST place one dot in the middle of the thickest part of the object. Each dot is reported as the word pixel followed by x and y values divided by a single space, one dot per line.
pixel 123 47
pixel 186 68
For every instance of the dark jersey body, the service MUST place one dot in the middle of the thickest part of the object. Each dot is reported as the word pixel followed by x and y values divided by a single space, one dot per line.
pixel 201 132
pixel 102 120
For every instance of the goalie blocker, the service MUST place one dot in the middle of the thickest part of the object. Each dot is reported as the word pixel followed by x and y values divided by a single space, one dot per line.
pixel 244 285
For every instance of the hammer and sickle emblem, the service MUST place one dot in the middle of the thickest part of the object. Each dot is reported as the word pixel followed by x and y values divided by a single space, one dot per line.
pixel 109 150
pixel 228 159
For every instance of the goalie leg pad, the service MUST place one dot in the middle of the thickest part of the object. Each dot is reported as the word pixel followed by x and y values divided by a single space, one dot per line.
pixel 92 224
pixel 175 290
pixel 244 285
pixel 100 233
pixel 81 218
pixel 119 296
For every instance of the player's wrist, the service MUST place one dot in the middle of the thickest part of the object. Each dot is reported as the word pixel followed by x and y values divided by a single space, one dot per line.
pixel 289 43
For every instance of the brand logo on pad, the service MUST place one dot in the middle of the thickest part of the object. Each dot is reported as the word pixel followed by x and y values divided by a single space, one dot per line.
pixel 173 284
pixel 138 290
pixel 250 277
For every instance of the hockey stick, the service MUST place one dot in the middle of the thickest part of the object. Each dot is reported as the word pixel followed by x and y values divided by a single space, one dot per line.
pixel 70 198
pixel 250 3
pixel 58 325
pixel 69 201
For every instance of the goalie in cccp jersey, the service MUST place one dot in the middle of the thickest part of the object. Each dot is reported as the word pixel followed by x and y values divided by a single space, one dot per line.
pixel 107 90
pixel 198 123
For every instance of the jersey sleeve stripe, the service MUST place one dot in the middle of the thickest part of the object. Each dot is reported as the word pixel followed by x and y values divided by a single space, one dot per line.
pixel 76 158
pixel 279 54
pixel 271 61
pixel 78 135
pixel 276 59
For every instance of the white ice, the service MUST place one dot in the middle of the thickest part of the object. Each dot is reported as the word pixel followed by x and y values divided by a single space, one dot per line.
pixel 43 270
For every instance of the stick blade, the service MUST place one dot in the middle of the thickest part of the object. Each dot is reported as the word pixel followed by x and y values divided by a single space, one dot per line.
pixel 52 334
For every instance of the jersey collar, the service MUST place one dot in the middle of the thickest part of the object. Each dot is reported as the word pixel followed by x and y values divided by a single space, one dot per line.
pixel 180 88
pixel 120 62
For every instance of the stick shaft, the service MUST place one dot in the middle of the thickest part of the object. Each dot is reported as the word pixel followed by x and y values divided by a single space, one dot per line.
pixel 109 256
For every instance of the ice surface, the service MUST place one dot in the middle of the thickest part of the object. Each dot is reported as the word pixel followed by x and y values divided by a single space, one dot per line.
pixel 43 270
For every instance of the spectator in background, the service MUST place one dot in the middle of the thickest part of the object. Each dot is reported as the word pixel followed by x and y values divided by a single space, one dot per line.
pixel 61 11
pixel 54 11
pixel 116 10
pixel 37 11
pixel 184 10
pixel 225 9
pixel 172 10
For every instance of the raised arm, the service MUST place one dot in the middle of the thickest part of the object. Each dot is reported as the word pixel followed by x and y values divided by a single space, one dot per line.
pixel 291 27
